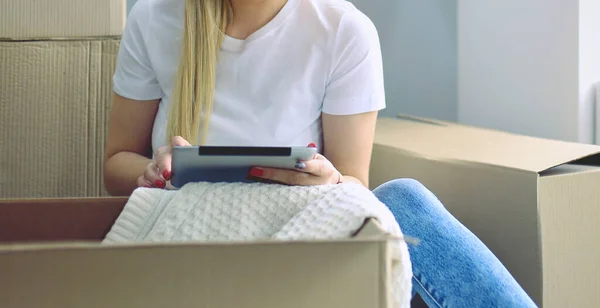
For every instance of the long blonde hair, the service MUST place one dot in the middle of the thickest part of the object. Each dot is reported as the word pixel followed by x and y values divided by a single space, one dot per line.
pixel 194 89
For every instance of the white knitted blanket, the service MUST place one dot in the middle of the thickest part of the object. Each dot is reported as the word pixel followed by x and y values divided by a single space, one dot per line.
pixel 238 212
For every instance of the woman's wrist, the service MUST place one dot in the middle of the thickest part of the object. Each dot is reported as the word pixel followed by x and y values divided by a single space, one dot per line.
pixel 121 172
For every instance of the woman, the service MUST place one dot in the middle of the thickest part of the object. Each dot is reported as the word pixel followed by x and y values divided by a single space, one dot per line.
pixel 281 73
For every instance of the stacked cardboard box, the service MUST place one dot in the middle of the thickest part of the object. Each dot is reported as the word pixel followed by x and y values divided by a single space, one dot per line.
pixel 535 203
pixel 56 64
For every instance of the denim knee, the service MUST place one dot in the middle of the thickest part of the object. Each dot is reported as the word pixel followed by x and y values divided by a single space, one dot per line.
pixel 405 192
pixel 407 187
pixel 402 184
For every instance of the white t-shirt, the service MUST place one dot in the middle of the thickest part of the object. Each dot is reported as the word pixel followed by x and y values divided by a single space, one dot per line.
pixel 315 56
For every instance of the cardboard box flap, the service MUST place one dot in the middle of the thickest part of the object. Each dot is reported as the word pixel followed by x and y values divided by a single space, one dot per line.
pixel 445 141
pixel 372 229
pixel 36 19
pixel 90 219
pixel 58 220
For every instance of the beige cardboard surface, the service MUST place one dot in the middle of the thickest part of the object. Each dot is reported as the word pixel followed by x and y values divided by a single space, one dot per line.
pixel 54 102
pixel 42 19
pixel 542 226
pixel 316 274
pixel 569 209
pixel 345 273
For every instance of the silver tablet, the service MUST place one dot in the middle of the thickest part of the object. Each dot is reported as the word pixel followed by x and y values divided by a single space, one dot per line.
pixel 231 164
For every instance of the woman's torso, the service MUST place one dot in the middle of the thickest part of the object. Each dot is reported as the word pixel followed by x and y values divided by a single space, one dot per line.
pixel 269 87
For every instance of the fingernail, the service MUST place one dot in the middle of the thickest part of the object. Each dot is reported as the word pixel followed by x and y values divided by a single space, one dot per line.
pixel 166 175
pixel 257 172
pixel 312 145
pixel 300 165
pixel 148 186
pixel 160 184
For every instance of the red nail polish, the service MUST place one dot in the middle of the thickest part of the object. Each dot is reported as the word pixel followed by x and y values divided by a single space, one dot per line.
pixel 160 184
pixel 148 186
pixel 312 145
pixel 257 172
pixel 166 175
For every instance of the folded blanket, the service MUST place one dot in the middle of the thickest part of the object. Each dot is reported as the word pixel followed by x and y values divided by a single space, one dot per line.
pixel 243 212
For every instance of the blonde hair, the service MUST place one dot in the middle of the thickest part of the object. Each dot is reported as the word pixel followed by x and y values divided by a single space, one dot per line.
pixel 205 23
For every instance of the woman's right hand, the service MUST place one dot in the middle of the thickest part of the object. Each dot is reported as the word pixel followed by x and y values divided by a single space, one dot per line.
pixel 158 172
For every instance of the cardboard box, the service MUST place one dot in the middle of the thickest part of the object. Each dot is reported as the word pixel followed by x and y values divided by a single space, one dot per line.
pixel 44 19
pixel 535 203
pixel 344 273
pixel 55 98
pixel 57 58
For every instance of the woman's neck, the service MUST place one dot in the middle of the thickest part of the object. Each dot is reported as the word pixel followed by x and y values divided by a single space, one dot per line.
pixel 251 15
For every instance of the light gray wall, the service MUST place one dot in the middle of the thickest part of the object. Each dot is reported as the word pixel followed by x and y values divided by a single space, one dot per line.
pixel 522 76
pixel 130 4
pixel 418 41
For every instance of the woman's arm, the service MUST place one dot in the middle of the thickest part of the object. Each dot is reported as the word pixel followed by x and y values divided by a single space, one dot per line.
pixel 129 144
pixel 353 96
pixel 347 152
pixel 348 143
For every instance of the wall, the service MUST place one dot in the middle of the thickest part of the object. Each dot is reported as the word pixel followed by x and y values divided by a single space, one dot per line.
pixel 589 43
pixel 418 40
pixel 130 4
pixel 518 66
pixel 589 71
pixel 525 66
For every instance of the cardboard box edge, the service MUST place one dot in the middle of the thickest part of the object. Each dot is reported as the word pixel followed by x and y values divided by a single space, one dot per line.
pixel 400 116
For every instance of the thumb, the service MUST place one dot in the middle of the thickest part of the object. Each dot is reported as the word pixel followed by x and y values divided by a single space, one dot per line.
pixel 179 141
pixel 164 159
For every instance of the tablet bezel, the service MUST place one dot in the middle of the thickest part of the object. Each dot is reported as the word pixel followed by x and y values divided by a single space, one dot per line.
pixel 231 163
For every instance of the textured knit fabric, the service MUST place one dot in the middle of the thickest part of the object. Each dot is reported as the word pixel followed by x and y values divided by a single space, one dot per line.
pixel 238 212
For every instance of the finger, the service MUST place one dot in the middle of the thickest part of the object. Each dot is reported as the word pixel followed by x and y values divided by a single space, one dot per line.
pixel 316 167
pixel 164 157
pixel 285 176
pixel 313 145
pixel 163 162
pixel 178 141
pixel 142 182
pixel 151 175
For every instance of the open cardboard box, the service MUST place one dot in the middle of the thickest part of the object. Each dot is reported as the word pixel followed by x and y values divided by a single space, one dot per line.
pixel 51 256
pixel 534 202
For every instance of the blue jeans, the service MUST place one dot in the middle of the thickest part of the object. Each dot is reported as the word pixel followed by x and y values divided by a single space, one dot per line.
pixel 451 266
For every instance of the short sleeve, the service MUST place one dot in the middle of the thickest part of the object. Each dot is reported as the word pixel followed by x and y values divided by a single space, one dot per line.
pixel 134 77
pixel 356 77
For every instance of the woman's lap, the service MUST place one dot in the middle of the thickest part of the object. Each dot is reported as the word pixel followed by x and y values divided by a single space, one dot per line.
pixel 451 266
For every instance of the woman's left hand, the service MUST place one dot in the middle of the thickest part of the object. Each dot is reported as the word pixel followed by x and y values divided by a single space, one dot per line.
pixel 317 171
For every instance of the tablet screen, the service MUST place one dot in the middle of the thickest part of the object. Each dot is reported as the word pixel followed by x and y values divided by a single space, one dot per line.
pixel 244 151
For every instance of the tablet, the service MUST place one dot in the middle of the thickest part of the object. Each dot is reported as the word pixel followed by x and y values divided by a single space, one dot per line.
pixel 230 164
